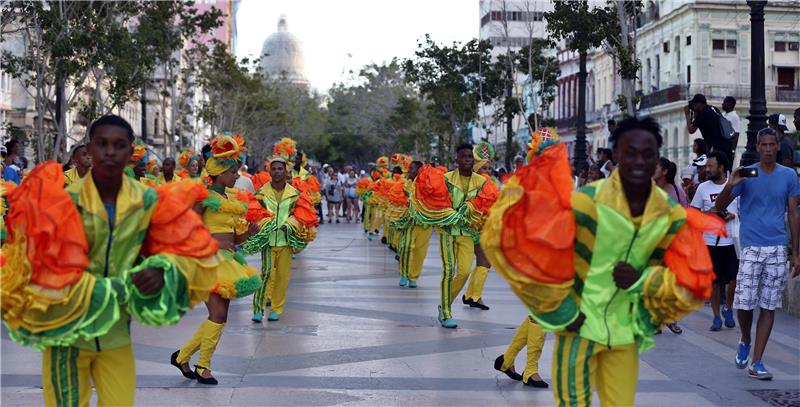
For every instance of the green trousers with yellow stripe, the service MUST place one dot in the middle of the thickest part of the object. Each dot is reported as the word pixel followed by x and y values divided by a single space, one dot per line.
pixel 68 374
pixel 579 365
pixel 458 253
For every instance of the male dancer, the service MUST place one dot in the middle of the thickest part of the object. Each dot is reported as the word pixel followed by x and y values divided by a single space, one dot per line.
pixel 416 238
pixel 74 300
pixel 603 267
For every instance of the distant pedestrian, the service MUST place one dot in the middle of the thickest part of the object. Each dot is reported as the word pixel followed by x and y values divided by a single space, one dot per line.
pixel 727 112
pixel 701 116
pixel 777 122
pixel 767 191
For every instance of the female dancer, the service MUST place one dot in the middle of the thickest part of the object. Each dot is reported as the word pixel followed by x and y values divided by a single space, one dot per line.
pixel 223 215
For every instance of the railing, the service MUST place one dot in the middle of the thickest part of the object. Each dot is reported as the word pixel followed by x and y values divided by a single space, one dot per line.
pixel 711 91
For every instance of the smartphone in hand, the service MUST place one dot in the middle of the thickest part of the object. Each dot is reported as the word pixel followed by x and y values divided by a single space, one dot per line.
pixel 748 172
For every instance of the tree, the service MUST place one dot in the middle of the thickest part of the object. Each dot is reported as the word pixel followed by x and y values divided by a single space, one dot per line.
pixel 63 43
pixel 582 29
pixel 454 79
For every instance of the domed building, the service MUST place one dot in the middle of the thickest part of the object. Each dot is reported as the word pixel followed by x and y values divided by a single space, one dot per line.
pixel 282 56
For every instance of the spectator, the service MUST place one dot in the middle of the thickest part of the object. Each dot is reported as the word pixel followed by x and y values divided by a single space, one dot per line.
pixel 244 183
pixel 333 194
pixel 727 112
pixel 665 179
pixel 11 171
pixel 777 122
pixel 764 200
pixel 699 115
pixel 612 124
pixel 594 174
pixel 723 253
pixel 350 196
pixel 699 166
pixel 687 182
pixel 607 166
pixel 342 174
pixel 519 162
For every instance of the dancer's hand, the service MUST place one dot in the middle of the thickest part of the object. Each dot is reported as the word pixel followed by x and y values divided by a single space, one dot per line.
pixel 148 281
pixel 576 325
pixel 625 275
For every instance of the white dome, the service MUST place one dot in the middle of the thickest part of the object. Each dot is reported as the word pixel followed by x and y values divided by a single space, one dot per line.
pixel 282 56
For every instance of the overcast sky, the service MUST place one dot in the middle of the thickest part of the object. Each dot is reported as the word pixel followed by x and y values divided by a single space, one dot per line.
pixel 343 35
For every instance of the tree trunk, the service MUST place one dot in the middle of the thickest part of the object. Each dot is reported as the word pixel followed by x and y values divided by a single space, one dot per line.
pixel 580 133
pixel 143 102
pixel 60 118
pixel 627 83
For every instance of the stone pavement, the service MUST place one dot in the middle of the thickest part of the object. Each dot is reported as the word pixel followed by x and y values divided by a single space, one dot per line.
pixel 351 336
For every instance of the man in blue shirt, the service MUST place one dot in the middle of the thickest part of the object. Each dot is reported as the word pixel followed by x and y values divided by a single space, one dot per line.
pixel 10 170
pixel 764 202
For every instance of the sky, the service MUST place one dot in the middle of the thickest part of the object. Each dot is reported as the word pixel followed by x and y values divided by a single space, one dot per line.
pixel 343 35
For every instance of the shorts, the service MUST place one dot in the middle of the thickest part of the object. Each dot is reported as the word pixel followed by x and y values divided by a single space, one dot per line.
pixel 725 263
pixel 762 276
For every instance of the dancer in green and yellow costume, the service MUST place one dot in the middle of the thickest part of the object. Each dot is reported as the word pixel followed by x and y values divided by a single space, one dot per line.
pixel 80 262
pixel 189 161
pixel 454 203
pixel 603 267
pixel 80 162
pixel 168 174
pixel 414 238
pixel 287 233
pixel 230 223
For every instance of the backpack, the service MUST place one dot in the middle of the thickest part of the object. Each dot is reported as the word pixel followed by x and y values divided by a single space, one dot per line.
pixel 725 125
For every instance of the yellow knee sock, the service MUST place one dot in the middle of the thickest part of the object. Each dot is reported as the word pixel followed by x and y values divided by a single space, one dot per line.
pixel 476 281
pixel 193 345
pixel 209 344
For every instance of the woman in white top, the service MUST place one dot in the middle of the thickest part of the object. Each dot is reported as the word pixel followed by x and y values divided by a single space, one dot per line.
pixel 332 188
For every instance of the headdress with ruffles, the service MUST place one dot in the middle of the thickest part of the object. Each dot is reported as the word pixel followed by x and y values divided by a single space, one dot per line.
pixel 225 151
pixel 138 154
pixel 382 162
pixel 186 157
pixel 152 164
pixel 540 139
pixel 284 151
pixel 482 153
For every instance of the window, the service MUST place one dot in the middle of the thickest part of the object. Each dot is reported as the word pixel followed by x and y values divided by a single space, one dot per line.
pixel 723 47
pixel 793 46
pixel 666 47
pixel 780 46
pixel 688 74
pixel 688 40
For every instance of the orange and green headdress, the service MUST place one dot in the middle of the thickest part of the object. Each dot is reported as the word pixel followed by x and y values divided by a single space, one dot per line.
pixel 225 151
pixel 541 139
pixel 139 152
pixel 151 165
pixel 482 153
pixel 382 162
pixel 285 149
pixel 186 157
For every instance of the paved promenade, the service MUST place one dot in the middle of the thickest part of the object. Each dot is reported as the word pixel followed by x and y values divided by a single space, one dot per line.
pixel 350 336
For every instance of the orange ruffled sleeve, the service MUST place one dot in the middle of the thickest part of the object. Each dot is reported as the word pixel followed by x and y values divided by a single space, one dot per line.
pixel 304 211
pixel 175 228
pixel 255 212
pixel 431 188
pixel 397 195
pixel 486 197
pixel 260 179
pixel 313 184
pixel 42 211
pixel 687 256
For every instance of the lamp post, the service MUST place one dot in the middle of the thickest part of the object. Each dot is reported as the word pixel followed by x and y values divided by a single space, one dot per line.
pixel 580 133
pixel 757 119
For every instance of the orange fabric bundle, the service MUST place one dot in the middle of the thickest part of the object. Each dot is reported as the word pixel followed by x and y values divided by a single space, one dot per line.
pixel 304 211
pixel 432 189
pixel 313 184
pixel 255 212
pixel 397 195
pixel 300 185
pixel 175 228
pixel 486 197
pixel 261 179
pixel 539 231
pixel 688 257
pixel 363 183
pixel 42 211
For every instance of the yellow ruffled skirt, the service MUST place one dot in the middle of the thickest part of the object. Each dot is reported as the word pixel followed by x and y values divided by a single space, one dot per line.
pixel 235 279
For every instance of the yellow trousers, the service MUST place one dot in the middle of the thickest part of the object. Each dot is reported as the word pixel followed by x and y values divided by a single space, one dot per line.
pixel 579 365
pixel 365 221
pixel 476 281
pixel 377 219
pixel 528 334
pixel 205 340
pixel 413 249
pixel 68 374
pixel 457 253
pixel 276 264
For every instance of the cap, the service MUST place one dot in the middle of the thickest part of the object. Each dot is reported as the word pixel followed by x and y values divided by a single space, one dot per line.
pixel 700 161
pixel 779 120
pixel 687 173
pixel 698 98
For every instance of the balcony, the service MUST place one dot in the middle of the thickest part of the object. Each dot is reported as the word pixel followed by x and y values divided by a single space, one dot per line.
pixel 713 91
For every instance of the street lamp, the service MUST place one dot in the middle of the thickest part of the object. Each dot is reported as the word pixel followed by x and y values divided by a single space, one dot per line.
pixel 757 119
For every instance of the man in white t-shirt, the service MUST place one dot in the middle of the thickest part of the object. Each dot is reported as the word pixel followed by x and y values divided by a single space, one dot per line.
pixel 722 250
pixel 727 112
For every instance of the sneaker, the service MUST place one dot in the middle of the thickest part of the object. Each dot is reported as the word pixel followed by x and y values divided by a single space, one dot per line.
pixel 446 323
pixel 716 325
pixel 257 317
pixel 742 355
pixel 403 281
pixel 412 283
pixel 727 313
pixel 758 371
pixel 369 237
pixel 273 316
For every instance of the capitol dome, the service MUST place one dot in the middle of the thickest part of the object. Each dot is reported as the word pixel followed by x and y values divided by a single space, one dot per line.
pixel 282 56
